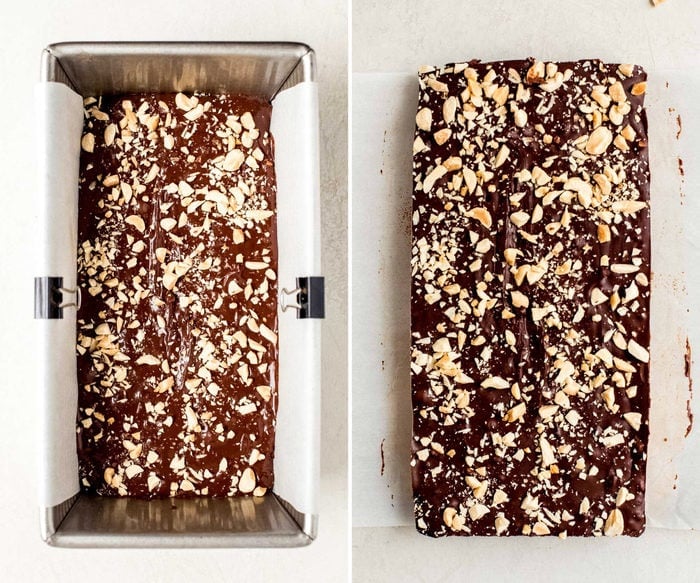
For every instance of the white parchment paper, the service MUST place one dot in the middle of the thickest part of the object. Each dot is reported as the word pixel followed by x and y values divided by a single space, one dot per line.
pixel 383 123
pixel 59 126
pixel 295 129
pixel 297 446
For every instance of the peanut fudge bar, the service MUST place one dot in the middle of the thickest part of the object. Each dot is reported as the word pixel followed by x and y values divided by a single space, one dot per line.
pixel 530 299
pixel 177 261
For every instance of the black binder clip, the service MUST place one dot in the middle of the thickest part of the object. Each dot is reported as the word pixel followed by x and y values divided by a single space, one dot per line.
pixel 310 298
pixel 49 298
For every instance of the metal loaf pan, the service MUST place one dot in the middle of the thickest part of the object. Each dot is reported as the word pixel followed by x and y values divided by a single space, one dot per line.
pixel 261 69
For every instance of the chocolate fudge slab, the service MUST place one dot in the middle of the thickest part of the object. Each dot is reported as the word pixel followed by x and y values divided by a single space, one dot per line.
pixel 177 262
pixel 530 299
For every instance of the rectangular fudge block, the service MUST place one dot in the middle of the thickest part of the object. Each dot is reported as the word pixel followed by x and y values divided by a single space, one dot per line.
pixel 177 261
pixel 530 299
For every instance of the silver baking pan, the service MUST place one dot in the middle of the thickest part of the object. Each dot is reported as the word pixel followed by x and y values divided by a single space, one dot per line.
pixel 262 69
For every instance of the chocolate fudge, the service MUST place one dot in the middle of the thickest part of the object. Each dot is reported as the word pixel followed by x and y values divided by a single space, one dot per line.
pixel 530 299
pixel 177 262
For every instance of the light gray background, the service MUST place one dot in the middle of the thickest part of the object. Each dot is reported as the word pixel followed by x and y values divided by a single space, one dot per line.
pixel 397 37
pixel 25 29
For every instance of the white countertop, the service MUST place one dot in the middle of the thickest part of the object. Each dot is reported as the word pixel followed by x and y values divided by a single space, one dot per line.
pixel 26 28
pixel 401 555
pixel 390 37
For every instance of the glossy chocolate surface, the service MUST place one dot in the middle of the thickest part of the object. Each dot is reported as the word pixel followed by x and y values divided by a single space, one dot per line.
pixel 522 403
pixel 177 261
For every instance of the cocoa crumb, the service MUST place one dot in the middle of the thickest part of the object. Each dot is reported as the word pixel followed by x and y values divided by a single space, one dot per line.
pixel 688 364
pixel 381 449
